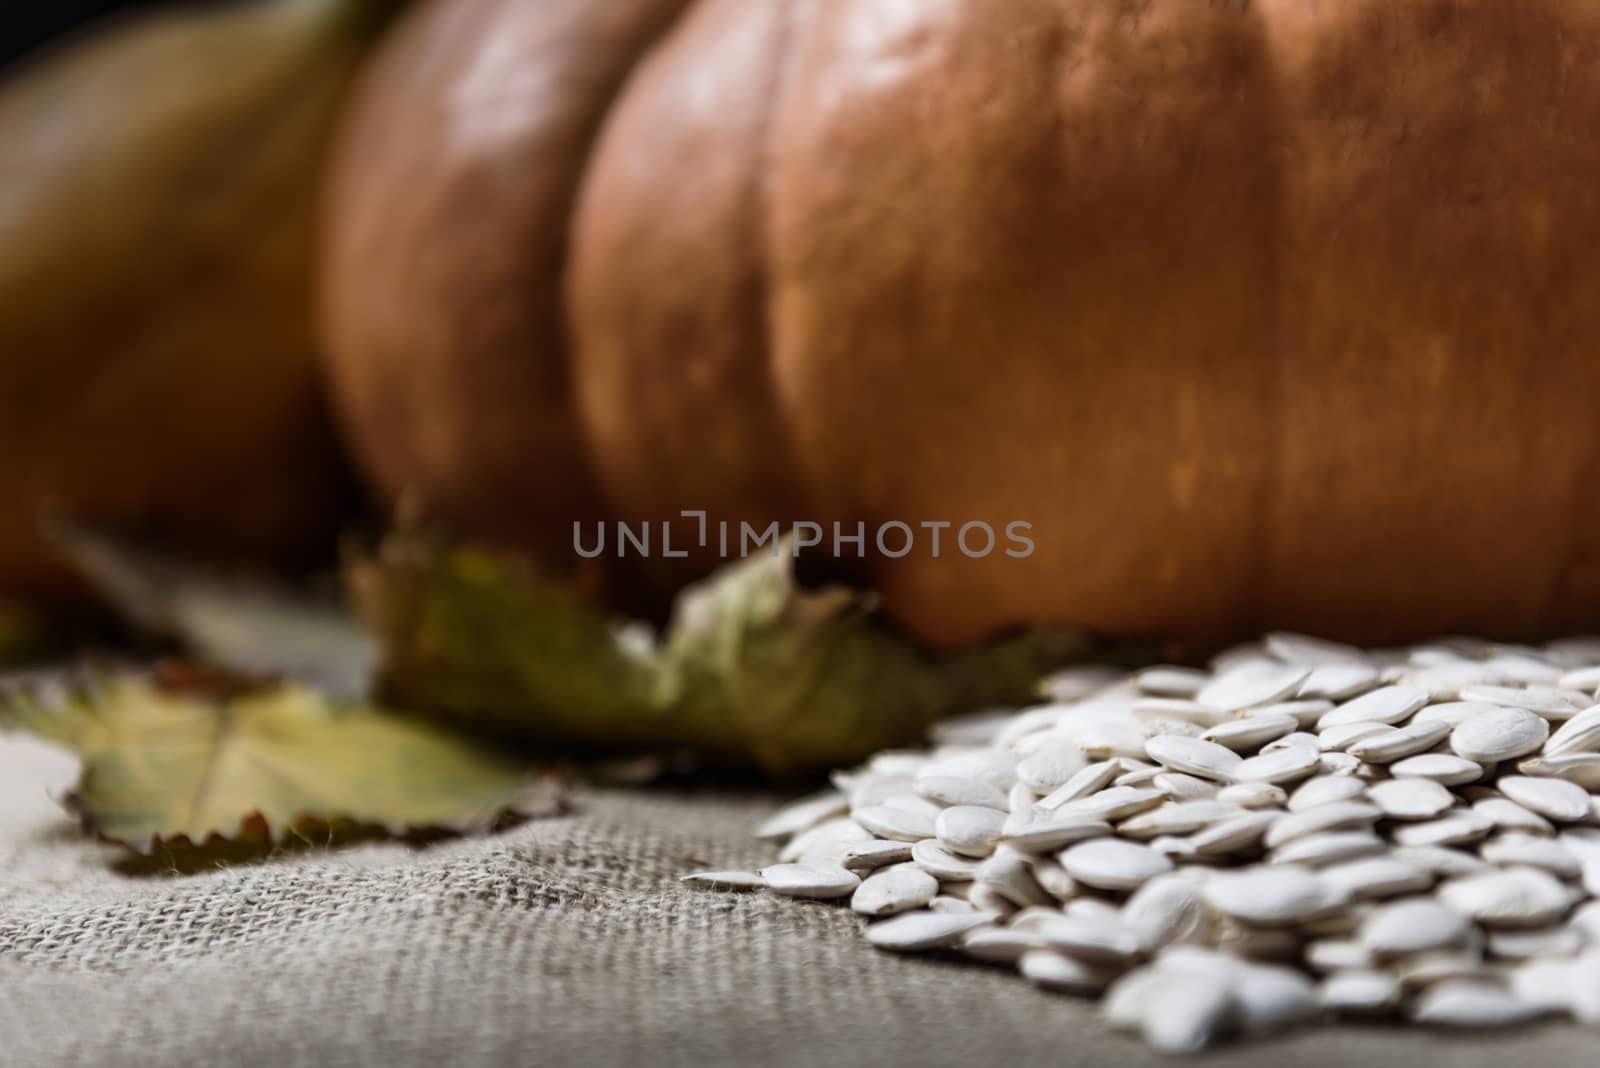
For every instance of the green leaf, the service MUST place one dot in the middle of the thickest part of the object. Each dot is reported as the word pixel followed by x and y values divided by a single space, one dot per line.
pixel 754 668
pixel 185 776
pixel 489 642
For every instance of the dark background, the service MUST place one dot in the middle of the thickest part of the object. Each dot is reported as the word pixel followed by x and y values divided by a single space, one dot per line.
pixel 25 25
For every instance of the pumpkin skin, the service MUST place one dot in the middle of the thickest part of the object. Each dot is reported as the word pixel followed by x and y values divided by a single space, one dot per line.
pixel 1270 314
pixel 159 187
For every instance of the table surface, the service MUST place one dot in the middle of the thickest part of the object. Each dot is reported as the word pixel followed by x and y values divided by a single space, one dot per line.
pixel 564 941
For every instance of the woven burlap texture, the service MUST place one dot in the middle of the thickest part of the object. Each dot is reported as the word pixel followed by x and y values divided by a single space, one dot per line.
pixel 563 942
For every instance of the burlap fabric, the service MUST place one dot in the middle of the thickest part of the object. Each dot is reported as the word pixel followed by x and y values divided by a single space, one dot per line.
pixel 565 942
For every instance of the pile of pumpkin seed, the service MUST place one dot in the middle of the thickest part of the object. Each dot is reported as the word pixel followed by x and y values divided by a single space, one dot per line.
pixel 1307 830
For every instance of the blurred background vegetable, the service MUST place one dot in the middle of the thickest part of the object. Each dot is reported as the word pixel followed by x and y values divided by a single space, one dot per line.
pixel 158 194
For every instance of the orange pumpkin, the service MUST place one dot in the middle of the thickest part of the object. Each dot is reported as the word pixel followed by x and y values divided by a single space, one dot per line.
pixel 1261 314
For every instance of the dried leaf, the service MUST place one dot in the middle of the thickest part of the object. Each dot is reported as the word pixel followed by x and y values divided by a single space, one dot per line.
pixel 189 776
pixel 247 624
pixel 754 667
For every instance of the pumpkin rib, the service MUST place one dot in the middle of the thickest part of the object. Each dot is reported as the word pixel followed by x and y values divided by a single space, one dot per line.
pixel 451 207
pixel 666 294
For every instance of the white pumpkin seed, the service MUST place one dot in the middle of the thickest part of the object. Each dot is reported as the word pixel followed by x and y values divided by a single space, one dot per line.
pixel 969 830
pixel 1410 799
pixel 1545 700
pixel 1399 743
pixel 1339 682
pixel 1580 734
pixel 1305 713
pixel 1333 847
pixel 962 790
pixel 1452 713
pixel 1177 710
pixel 989 899
pixel 1054 832
pixel 1280 766
pixel 1585 988
pixel 1509 816
pixel 827 839
pixel 948 904
pixel 1180 787
pixel 1251 684
pixel 1418 925
pixel 1582 679
pixel 878 853
pixel 1442 768
pixel 1054 880
pixel 1503 734
pixel 724 880
pixel 1098 941
pixel 1441 861
pixel 1109 864
pixel 942 864
pixel 1554 799
pixel 1051 766
pixel 1270 896
pixel 1105 740
pixel 1271 998
pixel 1452 829
pixel 1057 971
pixel 1338 764
pixel 1387 704
pixel 1472 1004
pixel 1580 768
pixel 1185 1014
pixel 1325 789
pixel 1520 897
pixel 809 880
pixel 1252 732
pixel 999 945
pixel 1253 795
pixel 1530 668
pixel 1336 816
pixel 1551 983
pixel 897 889
pixel 1298 740
pixel 1447 680
pixel 1009 873
pixel 1360 993
pixel 1167 681
pixel 1114 803
pixel 896 822
pixel 1088 780
pixel 1233 835
pixel 1377 877
pixel 1165 911
pixel 1423 970
pixel 995 766
pixel 1193 756
pixel 1549 942
pixel 1125 1002
pixel 1176 818
pixel 1337 954
pixel 911 931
